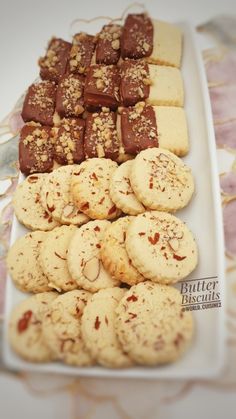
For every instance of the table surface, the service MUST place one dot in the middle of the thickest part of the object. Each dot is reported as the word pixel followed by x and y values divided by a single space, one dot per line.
pixel 25 28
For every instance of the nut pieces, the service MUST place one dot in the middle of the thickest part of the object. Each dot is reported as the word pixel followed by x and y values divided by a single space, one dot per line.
pixel 92 269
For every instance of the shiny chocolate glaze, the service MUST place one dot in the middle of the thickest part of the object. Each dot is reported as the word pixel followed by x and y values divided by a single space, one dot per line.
pixel 35 149
pixel 81 53
pixel 102 87
pixel 101 138
pixel 53 64
pixel 138 128
pixel 108 45
pixel 69 98
pixel 68 141
pixel 134 85
pixel 137 37
pixel 39 103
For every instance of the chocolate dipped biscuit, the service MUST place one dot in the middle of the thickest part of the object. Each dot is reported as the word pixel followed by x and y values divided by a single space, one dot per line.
pixel 102 87
pixel 53 64
pixel 108 45
pixel 101 138
pixel 157 84
pixel 156 41
pixel 39 103
pixel 69 98
pixel 81 53
pixel 68 141
pixel 35 149
pixel 144 126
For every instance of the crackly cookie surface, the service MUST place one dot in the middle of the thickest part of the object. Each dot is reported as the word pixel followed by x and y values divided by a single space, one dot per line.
pixel 90 188
pixel 121 190
pixel 161 247
pixel 84 259
pixel 151 325
pixel 114 255
pixel 27 205
pixel 98 328
pixel 25 328
pixel 62 328
pixel 161 180
pixel 56 197
pixel 53 258
pixel 23 263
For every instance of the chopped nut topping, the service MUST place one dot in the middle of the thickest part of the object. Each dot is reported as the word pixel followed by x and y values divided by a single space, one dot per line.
pixel 115 44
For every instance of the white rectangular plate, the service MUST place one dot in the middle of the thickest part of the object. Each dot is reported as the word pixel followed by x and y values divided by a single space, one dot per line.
pixel 203 216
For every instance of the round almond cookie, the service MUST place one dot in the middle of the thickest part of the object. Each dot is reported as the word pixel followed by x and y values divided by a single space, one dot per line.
pixel 23 263
pixel 151 325
pixel 90 188
pixel 25 328
pixel 161 180
pixel 161 247
pixel 53 258
pixel 114 255
pixel 84 259
pixel 27 205
pixel 62 328
pixel 56 197
pixel 98 329
pixel 121 191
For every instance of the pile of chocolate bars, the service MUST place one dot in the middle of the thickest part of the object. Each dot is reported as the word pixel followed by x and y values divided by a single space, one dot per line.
pixel 110 95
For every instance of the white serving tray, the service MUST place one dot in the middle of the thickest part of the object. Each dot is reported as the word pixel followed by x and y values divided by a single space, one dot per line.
pixel 203 216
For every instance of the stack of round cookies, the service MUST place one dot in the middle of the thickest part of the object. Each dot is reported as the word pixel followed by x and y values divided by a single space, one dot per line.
pixel 105 239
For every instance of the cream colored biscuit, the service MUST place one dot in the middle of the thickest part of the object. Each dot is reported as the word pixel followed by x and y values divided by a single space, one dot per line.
pixel 161 180
pixel 98 328
pixel 167 44
pixel 25 328
pixel 166 86
pixel 90 188
pixel 62 328
pixel 161 247
pixel 27 205
pixel 114 255
pixel 53 258
pixel 56 197
pixel 23 263
pixel 172 129
pixel 84 259
pixel 151 325
pixel 121 191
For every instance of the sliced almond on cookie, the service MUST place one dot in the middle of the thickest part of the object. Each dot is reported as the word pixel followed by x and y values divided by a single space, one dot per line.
pixel 92 269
